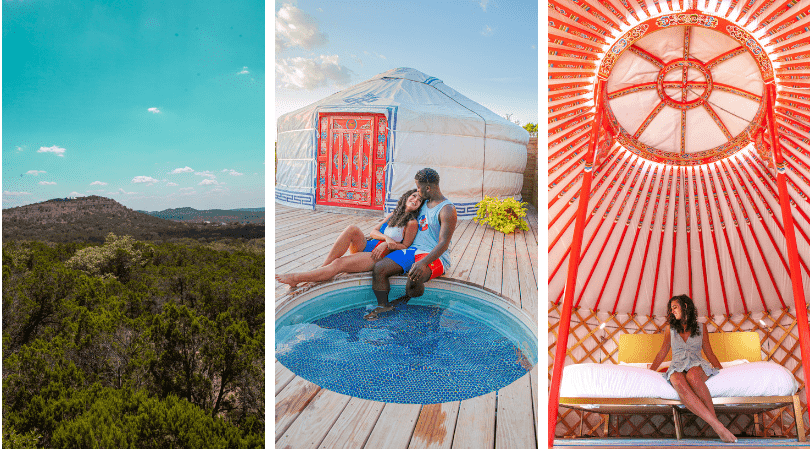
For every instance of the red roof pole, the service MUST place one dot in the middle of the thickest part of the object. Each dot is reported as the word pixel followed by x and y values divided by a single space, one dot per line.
pixel 573 265
pixel 790 237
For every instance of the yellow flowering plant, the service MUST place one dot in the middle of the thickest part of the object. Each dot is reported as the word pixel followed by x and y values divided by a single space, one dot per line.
pixel 503 215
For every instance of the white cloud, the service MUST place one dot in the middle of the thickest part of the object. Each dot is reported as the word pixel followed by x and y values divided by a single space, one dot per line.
pixel 295 28
pixel 487 31
pixel 244 71
pixel 49 183
pixel 122 191
pixel 76 194
pixel 182 170
pixel 58 150
pixel 205 173
pixel 154 110
pixel 19 149
pixel 309 74
pixel 95 190
pixel 35 172
pixel 98 183
pixel 232 172
pixel 187 189
pixel 144 179
pixel 483 4
pixel 172 184
pixel 207 182
pixel 15 193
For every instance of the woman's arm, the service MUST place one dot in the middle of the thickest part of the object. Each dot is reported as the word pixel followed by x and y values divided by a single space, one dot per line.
pixel 376 234
pixel 659 358
pixel 408 236
pixel 707 349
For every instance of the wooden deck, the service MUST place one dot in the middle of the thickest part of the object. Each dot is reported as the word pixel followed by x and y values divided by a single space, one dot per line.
pixel 308 416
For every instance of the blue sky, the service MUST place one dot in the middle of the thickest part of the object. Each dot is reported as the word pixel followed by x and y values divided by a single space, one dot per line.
pixel 485 49
pixel 156 105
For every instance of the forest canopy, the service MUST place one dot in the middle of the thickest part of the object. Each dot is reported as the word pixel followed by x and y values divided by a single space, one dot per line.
pixel 133 344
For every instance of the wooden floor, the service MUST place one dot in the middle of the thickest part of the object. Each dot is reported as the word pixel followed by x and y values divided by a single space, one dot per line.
pixel 308 416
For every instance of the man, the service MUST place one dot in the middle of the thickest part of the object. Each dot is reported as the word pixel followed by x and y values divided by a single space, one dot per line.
pixel 428 257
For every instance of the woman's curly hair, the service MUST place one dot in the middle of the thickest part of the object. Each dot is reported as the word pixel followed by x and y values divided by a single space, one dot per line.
pixel 688 312
pixel 400 217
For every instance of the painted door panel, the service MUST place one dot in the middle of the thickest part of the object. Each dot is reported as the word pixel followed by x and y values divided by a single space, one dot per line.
pixel 351 160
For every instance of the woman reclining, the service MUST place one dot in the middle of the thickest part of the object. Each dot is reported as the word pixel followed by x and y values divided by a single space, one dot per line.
pixel 396 232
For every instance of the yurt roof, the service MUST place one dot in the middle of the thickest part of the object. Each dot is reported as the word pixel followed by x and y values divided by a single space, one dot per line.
pixel 423 103
pixel 684 196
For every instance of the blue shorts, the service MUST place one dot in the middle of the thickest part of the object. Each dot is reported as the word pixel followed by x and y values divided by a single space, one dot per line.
pixel 371 244
pixel 404 258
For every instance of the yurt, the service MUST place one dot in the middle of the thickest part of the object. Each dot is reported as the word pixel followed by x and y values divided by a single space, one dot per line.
pixel 361 147
pixel 678 163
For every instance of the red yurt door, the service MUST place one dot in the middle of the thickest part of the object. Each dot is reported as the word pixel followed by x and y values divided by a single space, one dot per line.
pixel 351 160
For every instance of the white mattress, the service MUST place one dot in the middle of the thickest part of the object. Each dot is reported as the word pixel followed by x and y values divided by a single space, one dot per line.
pixel 754 379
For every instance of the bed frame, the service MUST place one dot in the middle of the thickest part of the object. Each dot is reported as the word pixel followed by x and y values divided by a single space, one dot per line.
pixel 642 348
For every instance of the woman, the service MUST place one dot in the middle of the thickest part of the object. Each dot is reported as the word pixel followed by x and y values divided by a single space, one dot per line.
pixel 396 232
pixel 688 371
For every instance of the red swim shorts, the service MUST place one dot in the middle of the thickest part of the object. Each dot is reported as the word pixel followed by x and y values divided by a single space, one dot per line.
pixel 436 267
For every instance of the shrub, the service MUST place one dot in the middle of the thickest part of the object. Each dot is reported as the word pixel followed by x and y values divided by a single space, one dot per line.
pixel 502 215
pixel 115 258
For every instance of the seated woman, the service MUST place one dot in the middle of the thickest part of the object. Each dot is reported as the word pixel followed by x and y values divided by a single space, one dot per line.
pixel 688 371
pixel 396 232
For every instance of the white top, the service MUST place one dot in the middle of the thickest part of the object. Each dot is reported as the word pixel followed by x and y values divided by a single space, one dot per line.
pixel 395 233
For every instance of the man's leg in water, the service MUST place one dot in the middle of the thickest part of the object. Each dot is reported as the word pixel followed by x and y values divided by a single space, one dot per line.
pixel 383 269
pixel 413 288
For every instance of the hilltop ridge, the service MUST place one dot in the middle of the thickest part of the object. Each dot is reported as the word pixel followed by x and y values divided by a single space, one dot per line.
pixel 91 218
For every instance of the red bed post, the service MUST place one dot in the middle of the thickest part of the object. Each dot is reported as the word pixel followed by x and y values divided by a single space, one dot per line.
pixel 573 265
pixel 790 238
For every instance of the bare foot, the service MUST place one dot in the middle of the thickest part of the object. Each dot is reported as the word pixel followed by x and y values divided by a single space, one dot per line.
pixel 287 278
pixel 726 435
pixel 378 310
pixel 400 301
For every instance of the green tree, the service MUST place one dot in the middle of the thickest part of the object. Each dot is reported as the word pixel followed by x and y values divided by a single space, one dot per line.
pixel 531 128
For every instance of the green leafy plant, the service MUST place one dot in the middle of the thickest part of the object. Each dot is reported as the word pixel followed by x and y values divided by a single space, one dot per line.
pixel 503 215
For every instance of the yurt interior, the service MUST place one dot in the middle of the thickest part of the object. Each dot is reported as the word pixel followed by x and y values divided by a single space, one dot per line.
pixel 678 163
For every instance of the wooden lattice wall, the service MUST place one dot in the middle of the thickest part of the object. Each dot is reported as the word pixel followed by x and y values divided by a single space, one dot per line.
pixel 589 344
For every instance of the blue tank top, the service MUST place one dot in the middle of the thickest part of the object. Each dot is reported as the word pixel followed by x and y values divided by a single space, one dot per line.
pixel 427 235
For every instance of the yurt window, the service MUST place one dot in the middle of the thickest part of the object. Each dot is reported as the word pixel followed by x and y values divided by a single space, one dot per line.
pixel 351 160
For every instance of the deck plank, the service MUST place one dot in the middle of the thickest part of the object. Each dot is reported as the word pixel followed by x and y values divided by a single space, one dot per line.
pixel 395 426
pixel 535 380
pixel 283 377
pixel 478 273
pixel 475 427
pixel 314 423
pixel 354 425
pixel 511 278
pixel 515 427
pixel 291 401
pixel 435 426
pixel 495 265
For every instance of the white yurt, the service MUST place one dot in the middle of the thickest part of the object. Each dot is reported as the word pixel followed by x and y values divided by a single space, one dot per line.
pixel 361 147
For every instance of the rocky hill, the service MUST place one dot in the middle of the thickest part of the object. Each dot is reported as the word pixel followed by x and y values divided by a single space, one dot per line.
pixel 90 219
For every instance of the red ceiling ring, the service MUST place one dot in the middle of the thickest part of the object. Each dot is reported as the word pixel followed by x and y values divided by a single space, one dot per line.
pixel 680 64
pixel 689 18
